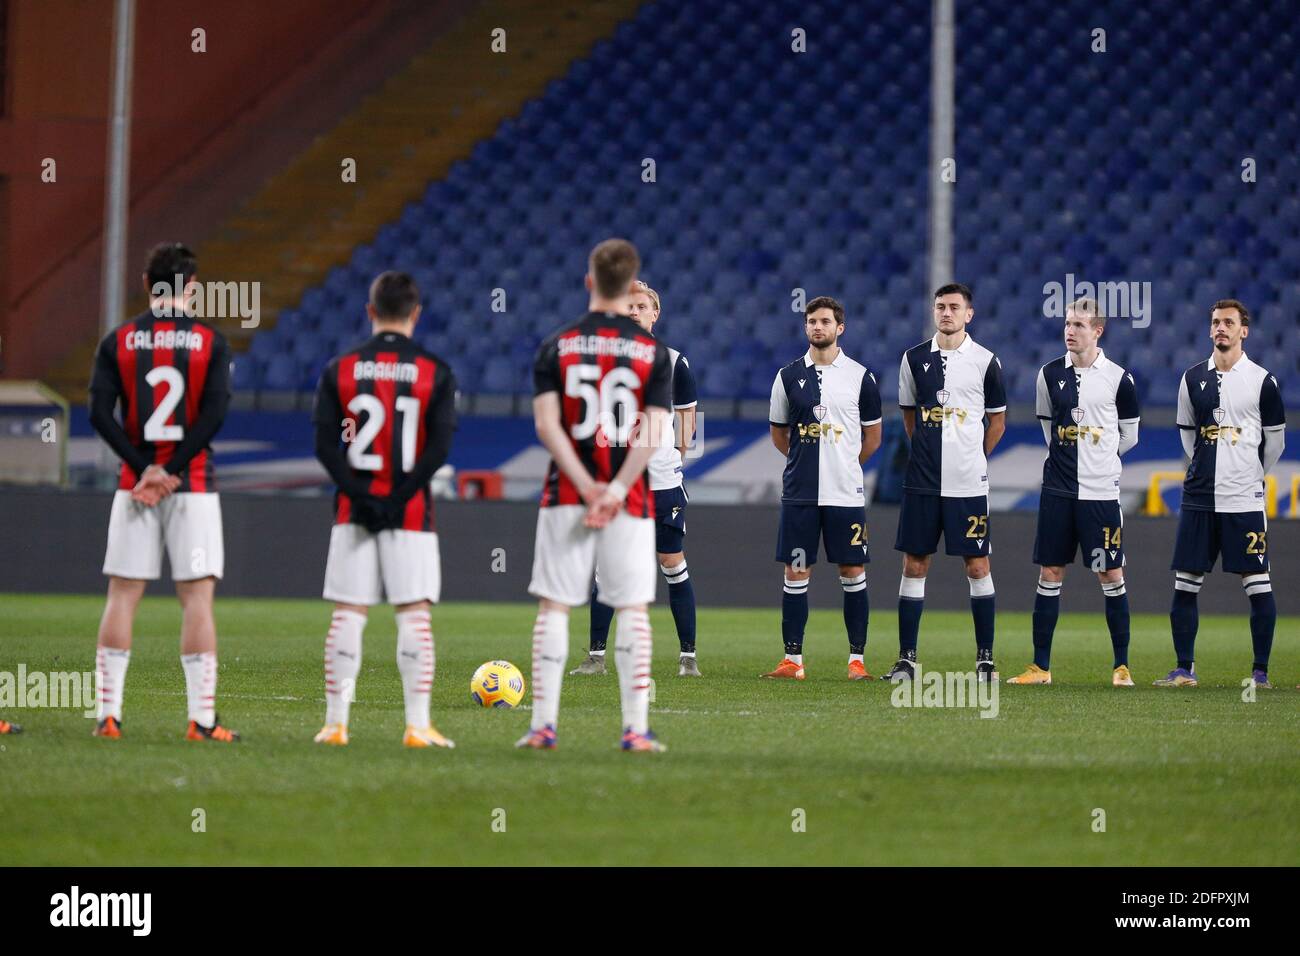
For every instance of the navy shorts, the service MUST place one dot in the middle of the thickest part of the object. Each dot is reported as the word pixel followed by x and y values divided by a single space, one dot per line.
pixel 1069 526
pixel 670 520
pixel 964 523
pixel 844 531
pixel 1238 535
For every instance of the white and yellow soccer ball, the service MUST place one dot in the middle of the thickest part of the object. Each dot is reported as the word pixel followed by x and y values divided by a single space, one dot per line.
pixel 497 684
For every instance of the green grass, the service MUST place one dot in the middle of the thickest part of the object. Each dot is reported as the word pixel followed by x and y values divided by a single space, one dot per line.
pixel 1184 777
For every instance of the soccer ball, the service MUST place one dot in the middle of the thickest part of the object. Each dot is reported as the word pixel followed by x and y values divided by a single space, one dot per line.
pixel 497 684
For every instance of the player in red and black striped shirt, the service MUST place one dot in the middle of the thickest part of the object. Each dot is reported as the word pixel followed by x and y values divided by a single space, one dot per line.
pixel 168 376
pixel 601 401
pixel 385 413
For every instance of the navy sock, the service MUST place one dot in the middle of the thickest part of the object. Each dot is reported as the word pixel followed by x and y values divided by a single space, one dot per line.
pixel 601 616
pixel 1117 620
pixel 1184 621
pixel 681 598
pixel 1047 608
pixel 911 602
pixel 981 610
pixel 1263 618
pixel 909 624
pixel 794 614
pixel 855 611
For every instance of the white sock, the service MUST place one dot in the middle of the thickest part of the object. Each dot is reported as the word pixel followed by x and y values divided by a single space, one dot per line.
pixel 342 664
pixel 857 657
pixel 550 651
pixel 415 663
pixel 599 653
pixel 201 686
pixel 632 654
pixel 110 672
pixel 797 658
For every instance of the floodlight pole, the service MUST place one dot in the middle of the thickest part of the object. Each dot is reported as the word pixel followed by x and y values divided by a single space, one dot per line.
pixel 118 176
pixel 117 179
pixel 942 146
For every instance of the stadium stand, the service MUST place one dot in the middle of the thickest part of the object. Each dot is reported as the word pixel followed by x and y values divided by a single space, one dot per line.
pixel 833 195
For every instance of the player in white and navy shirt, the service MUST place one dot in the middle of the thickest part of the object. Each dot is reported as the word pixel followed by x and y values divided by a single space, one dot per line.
pixel 825 418
pixel 665 471
pixel 1233 427
pixel 946 387
pixel 1088 408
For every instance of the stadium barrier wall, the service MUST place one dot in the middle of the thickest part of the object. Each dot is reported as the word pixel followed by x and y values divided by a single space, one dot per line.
pixel 276 546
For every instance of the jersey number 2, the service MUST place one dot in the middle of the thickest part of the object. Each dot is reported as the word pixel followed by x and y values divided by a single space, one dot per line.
pixel 156 428
pixel 361 459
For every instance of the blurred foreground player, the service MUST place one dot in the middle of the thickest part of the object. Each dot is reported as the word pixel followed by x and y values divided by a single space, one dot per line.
pixel 669 491
pixel 1233 427
pixel 385 412
pixel 825 418
pixel 600 406
pixel 169 376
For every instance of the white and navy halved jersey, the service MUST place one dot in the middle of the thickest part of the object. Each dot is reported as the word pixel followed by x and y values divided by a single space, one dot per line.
pixel 665 465
pixel 949 392
pixel 1229 413
pixel 1082 409
pixel 826 407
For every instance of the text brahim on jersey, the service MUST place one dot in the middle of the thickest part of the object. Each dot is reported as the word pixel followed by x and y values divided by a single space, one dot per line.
pixel 162 339
pixel 364 371
pixel 636 350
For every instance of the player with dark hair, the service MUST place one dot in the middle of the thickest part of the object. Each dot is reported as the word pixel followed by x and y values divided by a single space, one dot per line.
pixel 946 388
pixel 384 415
pixel 600 406
pixel 825 419
pixel 1233 427
pixel 168 375
pixel 1088 407
pixel 669 490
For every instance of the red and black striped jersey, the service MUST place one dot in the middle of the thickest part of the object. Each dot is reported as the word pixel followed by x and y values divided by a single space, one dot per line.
pixel 607 371
pixel 391 406
pixel 169 380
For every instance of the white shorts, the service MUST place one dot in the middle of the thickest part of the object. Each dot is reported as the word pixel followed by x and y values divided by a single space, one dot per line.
pixel 188 523
pixel 568 553
pixel 401 567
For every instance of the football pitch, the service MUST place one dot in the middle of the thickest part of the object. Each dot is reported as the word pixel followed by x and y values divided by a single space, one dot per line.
pixel 825 771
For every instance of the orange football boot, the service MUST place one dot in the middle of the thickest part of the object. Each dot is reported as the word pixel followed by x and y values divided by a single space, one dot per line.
pixel 109 727
pixel 858 671
pixel 7 728
pixel 197 731
pixel 787 669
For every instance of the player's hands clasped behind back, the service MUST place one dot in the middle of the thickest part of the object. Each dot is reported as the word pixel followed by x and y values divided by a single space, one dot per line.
pixel 602 505
pixel 155 484
pixel 378 514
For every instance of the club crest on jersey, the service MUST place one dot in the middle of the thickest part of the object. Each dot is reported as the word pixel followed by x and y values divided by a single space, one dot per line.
pixel 820 413
pixel 1218 415
pixel 1076 414
pixel 943 395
